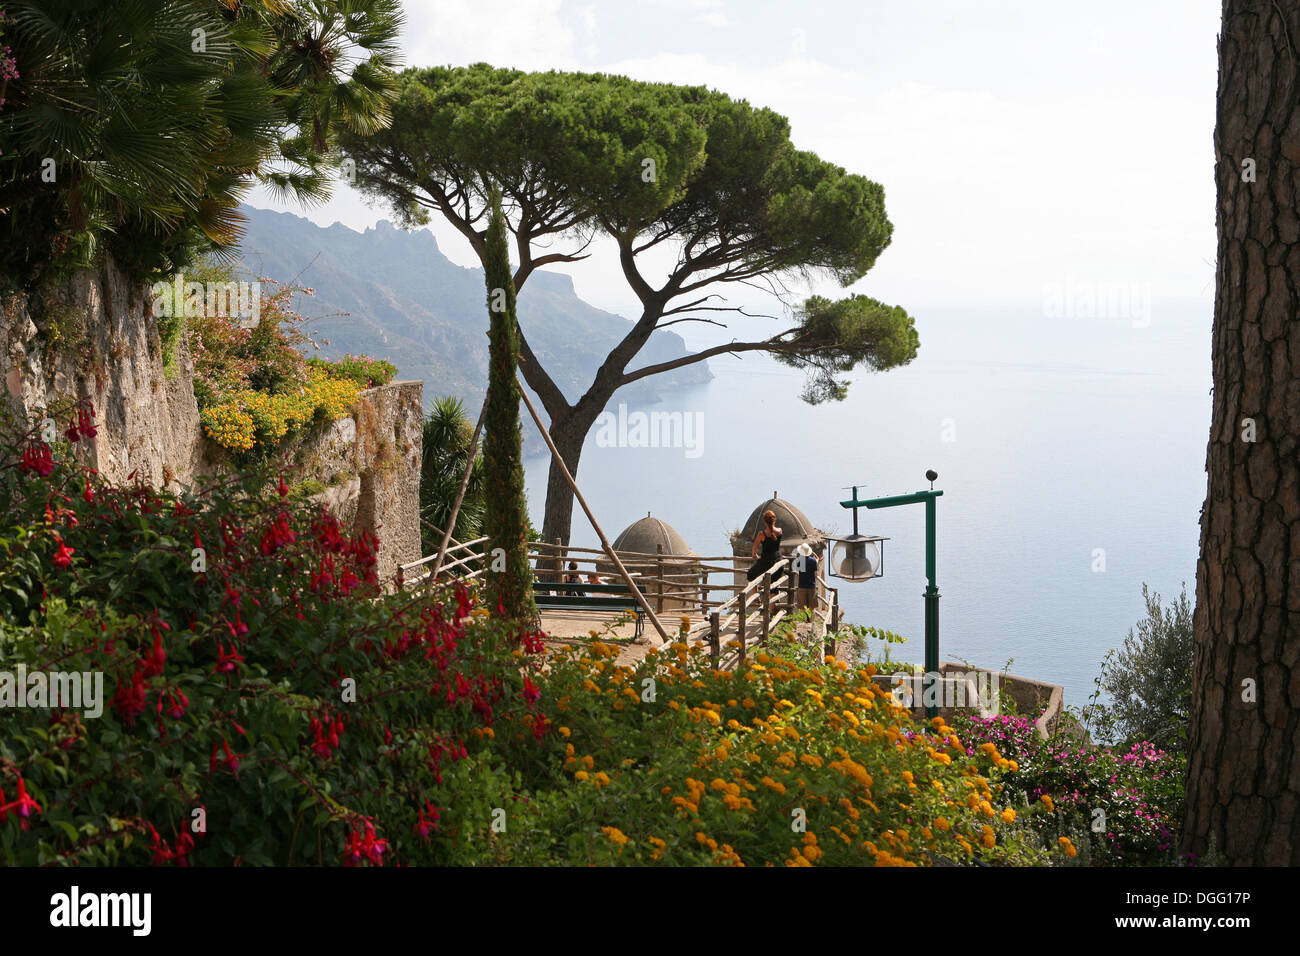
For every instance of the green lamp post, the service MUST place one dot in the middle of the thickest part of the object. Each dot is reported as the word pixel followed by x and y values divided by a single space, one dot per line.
pixel 932 589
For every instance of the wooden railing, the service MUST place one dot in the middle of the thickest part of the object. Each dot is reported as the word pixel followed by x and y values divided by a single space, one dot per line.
pixel 749 612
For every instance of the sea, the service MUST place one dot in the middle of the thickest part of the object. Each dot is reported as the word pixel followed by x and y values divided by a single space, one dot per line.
pixel 1070 451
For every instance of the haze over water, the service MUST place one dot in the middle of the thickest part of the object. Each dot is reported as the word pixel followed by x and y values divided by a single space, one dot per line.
pixel 1068 435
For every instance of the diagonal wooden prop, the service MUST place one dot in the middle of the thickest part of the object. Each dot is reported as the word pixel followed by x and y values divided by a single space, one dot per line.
pixel 604 542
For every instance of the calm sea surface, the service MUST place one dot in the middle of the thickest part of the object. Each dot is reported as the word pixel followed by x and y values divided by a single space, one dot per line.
pixel 1053 438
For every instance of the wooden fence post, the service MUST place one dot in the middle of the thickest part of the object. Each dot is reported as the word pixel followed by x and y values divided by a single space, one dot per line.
pixel 659 573
pixel 740 624
pixel 715 640
pixel 767 607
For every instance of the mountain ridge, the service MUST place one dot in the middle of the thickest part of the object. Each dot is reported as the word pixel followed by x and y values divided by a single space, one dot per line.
pixel 408 303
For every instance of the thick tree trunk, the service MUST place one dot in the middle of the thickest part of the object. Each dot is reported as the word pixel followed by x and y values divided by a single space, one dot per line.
pixel 1243 784
pixel 568 431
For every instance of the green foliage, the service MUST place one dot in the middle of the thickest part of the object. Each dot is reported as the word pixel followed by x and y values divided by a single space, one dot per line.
pixel 158 114
pixel 447 437
pixel 655 166
pixel 227 689
pixel 365 371
pixel 1148 681
pixel 506 513
pixel 306 488
pixel 836 337
pixel 254 388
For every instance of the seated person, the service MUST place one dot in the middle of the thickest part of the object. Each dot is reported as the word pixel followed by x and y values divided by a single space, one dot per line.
pixel 573 577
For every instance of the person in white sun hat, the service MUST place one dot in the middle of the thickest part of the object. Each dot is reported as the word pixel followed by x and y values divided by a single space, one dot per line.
pixel 805 567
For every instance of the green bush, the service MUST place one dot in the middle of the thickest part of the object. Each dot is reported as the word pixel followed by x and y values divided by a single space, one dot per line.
pixel 1148 681
pixel 365 371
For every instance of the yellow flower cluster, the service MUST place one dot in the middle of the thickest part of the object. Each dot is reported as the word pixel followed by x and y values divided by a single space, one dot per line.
pixel 777 741
pixel 229 426
pixel 252 417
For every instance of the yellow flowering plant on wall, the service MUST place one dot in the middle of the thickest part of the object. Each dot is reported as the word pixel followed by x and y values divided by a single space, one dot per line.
pixel 254 387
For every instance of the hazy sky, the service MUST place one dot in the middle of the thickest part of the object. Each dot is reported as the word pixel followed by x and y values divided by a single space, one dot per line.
pixel 1019 143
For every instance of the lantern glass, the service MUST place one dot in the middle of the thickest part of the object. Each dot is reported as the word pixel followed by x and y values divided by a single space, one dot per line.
pixel 857 557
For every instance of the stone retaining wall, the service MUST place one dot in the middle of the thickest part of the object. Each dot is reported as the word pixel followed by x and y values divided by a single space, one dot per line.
pixel 98 339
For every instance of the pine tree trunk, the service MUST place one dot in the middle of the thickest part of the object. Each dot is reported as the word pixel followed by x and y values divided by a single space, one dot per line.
pixel 1243 784
pixel 569 432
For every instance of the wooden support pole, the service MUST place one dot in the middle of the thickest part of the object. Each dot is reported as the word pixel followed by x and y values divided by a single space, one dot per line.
pixel 740 623
pixel 604 542
pixel 659 575
pixel 715 640
pixel 767 608
pixel 460 495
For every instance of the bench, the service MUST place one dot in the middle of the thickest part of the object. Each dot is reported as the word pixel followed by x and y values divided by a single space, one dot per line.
pixel 594 597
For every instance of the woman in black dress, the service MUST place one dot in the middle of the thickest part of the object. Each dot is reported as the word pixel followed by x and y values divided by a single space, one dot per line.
pixel 767 546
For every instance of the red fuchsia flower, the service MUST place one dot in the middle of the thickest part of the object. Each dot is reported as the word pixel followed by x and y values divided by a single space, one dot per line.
pixel 540 726
pixel 87 495
pixel 129 701
pixel 531 693
pixel 324 577
pixel 326 529
pixel 429 823
pixel 37 458
pixel 153 663
pixel 162 853
pixel 278 534
pixel 64 556
pixel 23 805
pixel 227 661
pixel 184 846
pixel 349 581
pixel 364 846
pixel 85 425
pixel 283 489
pixel 239 628
pixel 175 703
pixel 229 761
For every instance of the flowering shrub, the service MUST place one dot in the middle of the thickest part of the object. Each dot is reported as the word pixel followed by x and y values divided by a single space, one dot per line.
pixel 670 762
pixel 262 701
pixel 254 418
pixel 367 372
pixel 1139 790
pixel 265 703
pixel 253 386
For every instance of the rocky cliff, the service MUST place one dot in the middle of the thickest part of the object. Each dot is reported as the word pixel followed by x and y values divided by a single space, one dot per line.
pixel 94 336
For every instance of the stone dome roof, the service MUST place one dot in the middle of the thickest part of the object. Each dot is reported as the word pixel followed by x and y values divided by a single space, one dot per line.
pixel 794 524
pixel 648 534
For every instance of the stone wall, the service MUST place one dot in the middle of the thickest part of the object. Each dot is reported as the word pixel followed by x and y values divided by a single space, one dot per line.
pixel 370 464
pixel 97 339
pixel 94 336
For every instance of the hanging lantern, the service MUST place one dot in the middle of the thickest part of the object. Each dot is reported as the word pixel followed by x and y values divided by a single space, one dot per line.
pixel 858 557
